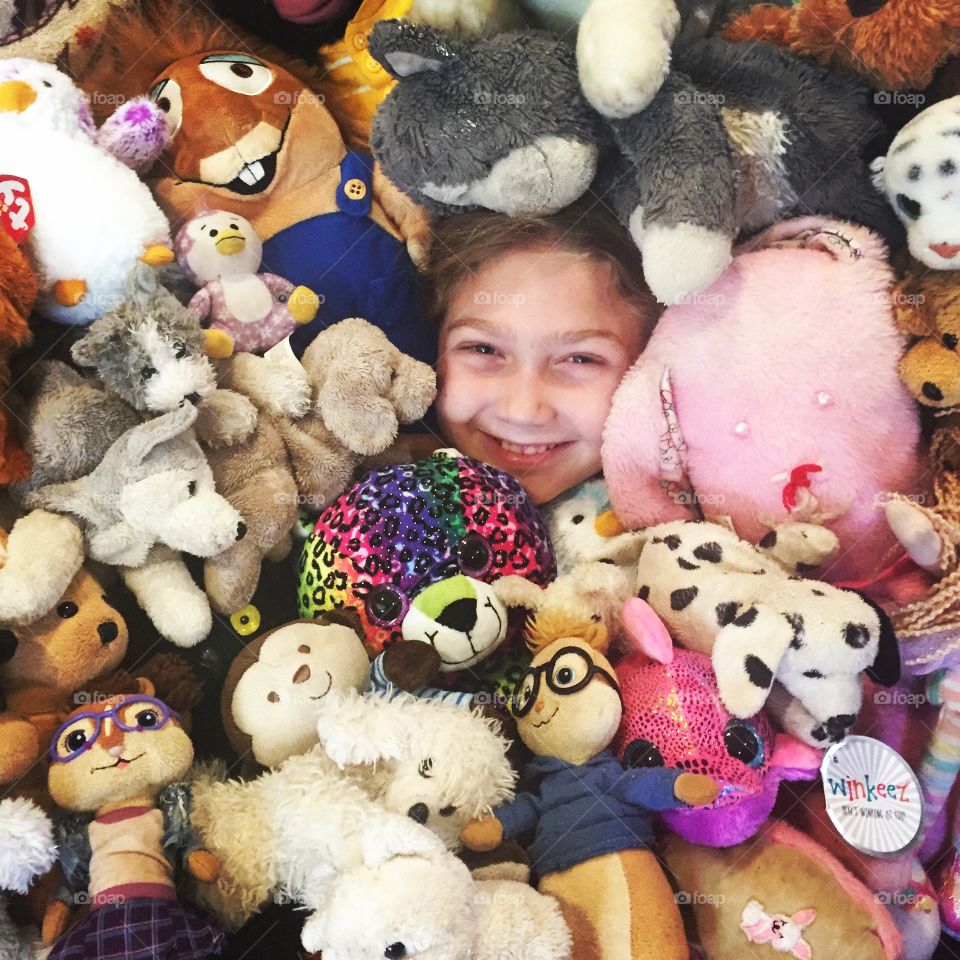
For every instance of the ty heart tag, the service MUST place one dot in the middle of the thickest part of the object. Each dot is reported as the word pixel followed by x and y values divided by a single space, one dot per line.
pixel 16 207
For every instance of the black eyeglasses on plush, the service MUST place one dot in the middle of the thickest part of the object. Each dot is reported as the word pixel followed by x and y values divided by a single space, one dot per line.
pixel 570 669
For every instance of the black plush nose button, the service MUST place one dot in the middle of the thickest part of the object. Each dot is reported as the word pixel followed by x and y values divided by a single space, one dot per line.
pixel 108 631
pixel 419 812
pixel 193 398
pixel 241 530
pixel 8 645
pixel 932 392
pixel 460 615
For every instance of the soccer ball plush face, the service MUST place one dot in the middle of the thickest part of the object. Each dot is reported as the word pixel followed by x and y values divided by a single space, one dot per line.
pixel 921 177
pixel 414 548
pixel 218 244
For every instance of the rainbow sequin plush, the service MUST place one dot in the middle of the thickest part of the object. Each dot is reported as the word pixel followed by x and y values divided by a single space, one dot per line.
pixel 413 549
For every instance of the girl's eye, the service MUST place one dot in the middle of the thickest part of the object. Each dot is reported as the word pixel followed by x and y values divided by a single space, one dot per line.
pixel 583 359
pixel 484 349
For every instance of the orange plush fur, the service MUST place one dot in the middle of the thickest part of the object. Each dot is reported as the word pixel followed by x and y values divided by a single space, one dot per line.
pixel 18 291
pixel 898 47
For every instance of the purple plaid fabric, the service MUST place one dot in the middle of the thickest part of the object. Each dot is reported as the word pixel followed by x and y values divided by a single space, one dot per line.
pixel 141 930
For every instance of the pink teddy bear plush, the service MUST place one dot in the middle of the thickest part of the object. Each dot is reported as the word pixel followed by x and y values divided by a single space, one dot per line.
pixel 244 311
pixel 807 420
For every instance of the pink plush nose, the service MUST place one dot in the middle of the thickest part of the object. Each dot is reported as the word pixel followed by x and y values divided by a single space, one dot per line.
pixel 946 250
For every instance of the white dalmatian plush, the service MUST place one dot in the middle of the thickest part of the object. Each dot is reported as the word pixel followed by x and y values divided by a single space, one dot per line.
pixel 920 176
pixel 722 596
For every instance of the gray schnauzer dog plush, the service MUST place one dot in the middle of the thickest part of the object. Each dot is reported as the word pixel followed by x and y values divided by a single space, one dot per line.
pixel 738 136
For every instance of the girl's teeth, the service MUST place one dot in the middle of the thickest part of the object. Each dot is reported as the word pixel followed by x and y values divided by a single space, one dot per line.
pixel 527 451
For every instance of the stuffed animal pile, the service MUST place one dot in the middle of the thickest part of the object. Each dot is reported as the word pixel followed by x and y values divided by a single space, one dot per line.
pixel 282 673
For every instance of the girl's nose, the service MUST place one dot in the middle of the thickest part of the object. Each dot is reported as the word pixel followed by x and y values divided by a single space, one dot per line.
pixel 525 400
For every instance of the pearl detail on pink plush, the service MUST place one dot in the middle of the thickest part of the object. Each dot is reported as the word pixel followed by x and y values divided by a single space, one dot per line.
pixel 742 429
pixel 824 399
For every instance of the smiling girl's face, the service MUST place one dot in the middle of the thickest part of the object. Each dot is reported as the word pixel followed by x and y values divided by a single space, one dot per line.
pixel 531 350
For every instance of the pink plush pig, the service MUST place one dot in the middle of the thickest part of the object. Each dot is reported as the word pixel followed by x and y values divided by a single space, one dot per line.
pixel 774 395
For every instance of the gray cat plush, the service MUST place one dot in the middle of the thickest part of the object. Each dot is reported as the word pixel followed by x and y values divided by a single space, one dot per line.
pixel 738 136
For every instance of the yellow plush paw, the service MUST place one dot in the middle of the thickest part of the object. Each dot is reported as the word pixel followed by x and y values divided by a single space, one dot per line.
pixel 217 345
pixel 68 293
pixel 303 304
pixel 204 865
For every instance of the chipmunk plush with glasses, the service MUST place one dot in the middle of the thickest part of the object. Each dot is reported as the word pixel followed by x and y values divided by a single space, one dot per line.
pixel 591 816
pixel 121 760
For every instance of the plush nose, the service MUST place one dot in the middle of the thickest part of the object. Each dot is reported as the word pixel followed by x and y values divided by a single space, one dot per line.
pixel 460 615
pixel 111 738
pixel 241 530
pixel 302 675
pixel 16 96
pixel 419 812
pixel 193 398
pixel 946 250
pixel 538 706
pixel 932 392
pixel 108 632
pixel 8 645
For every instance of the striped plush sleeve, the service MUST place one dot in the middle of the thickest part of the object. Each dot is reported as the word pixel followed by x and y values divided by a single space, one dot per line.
pixel 941 761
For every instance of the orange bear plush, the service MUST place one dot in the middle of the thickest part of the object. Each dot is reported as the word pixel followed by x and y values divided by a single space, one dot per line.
pixel 18 291
pixel 894 45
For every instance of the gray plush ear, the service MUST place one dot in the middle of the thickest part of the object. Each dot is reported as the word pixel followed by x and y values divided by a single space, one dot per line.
pixel 101 340
pixel 409 48
pixel 76 497
pixel 141 440
pixel 142 284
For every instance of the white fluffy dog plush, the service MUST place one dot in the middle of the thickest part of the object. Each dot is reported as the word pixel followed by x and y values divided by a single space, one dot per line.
pixel 438 764
pixel 428 906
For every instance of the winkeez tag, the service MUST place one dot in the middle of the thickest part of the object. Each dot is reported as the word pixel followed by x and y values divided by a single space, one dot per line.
pixel 16 207
pixel 872 796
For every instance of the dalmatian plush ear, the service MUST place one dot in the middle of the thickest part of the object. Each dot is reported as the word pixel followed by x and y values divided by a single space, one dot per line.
pixel 885 669
pixel 409 48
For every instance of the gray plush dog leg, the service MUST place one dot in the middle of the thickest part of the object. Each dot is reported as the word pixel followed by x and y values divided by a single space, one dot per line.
pixel 680 156
pixel 177 607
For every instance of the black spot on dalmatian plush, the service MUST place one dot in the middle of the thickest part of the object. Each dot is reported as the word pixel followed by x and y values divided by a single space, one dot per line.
pixel 759 673
pixel 746 618
pixel 835 729
pixel 813 674
pixel 818 593
pixel 685 564
pixel 796 621
pixel 768 540
pixel 673 541
pixel 683 598
pixel 709 552
pixel 856 635
pixel 726 612
pixel 643 592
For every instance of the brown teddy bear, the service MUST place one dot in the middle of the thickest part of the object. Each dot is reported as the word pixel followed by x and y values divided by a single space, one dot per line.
pixel 858 36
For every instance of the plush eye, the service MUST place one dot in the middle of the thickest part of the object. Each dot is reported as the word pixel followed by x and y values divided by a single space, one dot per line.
pixel 395 951
pixel 742 742
pixel 642 753
pixel 179 349
pixel 147 718
pixel 233 226
pixel 384 605
pixel 577 518
pixel 47 83
pixel 192 487
pixel 75 739
pixel 569 670
pixel 909 208
pixel 524 693
pixel 273 696
pixel 213 231
pixel 474 554
pixel 166 95
pixel 950 341
pixel 148 373
pixel 237 73
pixel 246 620
pixel 448 811
pixel 67 609
pixel 425 769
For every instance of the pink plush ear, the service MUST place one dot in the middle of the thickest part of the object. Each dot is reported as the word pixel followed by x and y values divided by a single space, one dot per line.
pixel 803 918
pixel 645 631
pixel 801 950
pixel 795 758
pixel 842 240
pixel 759 931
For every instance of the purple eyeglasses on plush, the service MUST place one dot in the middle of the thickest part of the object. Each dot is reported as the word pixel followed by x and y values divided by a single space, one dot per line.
pixel 134 714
